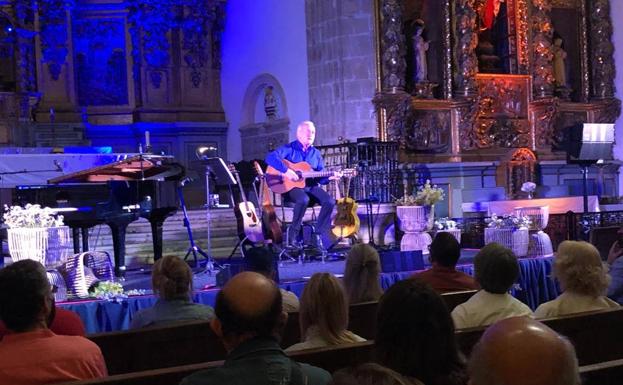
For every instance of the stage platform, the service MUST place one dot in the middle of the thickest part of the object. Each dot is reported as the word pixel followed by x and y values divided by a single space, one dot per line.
pixel 534 287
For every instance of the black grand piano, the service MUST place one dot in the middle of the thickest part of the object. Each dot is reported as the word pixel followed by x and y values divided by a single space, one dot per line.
pixel 116 194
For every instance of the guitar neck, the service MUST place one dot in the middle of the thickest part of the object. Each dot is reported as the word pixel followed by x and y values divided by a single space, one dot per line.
pixel 316 174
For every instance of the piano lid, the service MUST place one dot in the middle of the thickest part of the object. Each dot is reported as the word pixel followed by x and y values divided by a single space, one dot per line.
pixel 135 167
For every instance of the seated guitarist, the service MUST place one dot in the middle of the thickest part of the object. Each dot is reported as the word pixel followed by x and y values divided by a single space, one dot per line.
pixel 302 150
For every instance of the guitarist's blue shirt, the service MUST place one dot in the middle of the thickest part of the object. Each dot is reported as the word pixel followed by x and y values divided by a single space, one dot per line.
pixel 293 152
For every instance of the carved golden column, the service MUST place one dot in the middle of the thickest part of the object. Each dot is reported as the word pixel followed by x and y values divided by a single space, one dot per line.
pixel 542 32
pixel 601 50
pixel 466 42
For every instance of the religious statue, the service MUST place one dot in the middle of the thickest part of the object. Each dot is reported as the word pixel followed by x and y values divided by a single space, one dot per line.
pixel 560 56
pixel 420 46
pixel 270 103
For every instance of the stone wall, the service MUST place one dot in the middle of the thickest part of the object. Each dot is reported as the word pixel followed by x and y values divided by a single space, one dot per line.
pixel 341 57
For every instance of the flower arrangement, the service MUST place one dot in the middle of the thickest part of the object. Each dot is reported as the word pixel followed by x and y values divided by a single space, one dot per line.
pixel 31 216
pixel 108 290
pixel 426 195
pixel 508 221
pixel 528 187
pixel 446 224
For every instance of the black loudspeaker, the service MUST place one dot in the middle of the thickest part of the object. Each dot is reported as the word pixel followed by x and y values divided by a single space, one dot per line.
pixel 396 260
pixel 588 142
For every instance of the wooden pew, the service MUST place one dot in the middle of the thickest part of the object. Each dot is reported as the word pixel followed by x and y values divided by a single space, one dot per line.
pixel 602 373
pixel 194 342
pixel 159 347
pixel 330 358
pixel 597 336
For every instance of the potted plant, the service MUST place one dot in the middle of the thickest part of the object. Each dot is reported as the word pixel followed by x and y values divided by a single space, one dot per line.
pixel 37 233
pixel 416 214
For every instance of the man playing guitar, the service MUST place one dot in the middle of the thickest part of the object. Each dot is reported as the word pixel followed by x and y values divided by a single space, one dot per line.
pixel 302 150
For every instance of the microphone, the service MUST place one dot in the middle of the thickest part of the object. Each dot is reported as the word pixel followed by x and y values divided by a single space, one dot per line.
pixel 59 168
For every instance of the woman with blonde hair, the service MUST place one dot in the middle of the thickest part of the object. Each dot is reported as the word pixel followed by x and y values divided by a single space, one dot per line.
pixel 171 280
pixel 583 279
pixel 361 274
pixel 323 317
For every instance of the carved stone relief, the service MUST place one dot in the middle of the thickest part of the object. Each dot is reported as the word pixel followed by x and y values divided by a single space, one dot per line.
pixel 54 35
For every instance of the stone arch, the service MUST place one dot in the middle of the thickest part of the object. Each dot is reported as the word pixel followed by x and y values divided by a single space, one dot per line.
pixel 254 90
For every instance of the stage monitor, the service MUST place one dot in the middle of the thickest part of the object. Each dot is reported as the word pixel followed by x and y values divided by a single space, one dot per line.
pixel 589 142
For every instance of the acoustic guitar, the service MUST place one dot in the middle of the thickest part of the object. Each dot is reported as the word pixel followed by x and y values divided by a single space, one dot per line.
pixel 270 222
pixel 248 222
pixel 346 222
pixel 280 184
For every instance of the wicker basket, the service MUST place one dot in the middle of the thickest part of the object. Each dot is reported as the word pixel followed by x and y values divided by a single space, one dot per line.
pixel 514 239
pixel 50 246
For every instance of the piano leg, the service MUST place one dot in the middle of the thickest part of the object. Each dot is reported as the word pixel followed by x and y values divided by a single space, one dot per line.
pixel 85 238
pixel 75 234
pixel 156 236
pixel 118 230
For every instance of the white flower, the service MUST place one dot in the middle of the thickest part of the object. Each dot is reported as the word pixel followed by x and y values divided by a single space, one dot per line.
pixel 528 187
pixel 31 216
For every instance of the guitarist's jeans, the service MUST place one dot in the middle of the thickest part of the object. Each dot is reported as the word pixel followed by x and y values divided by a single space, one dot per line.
pixel 307 197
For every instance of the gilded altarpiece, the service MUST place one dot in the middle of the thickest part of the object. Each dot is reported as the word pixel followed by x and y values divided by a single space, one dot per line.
pixel 475 79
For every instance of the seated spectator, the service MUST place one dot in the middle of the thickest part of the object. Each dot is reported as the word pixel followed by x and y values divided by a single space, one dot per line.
pixel 370 374
pixel 323 316
pixel 496 270
pixel 261 260
pixel 583 279
pixel 442 276
pixel 31 353
pixel 522 351
pixel 63 322
pixel 415 335
pixel 249 319
pixel 361 274
pixel 172 280
pixel 615 289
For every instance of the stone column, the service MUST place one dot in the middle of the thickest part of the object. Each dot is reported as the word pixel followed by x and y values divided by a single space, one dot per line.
pixel 466 42
pixel 602 61
pixel 542 32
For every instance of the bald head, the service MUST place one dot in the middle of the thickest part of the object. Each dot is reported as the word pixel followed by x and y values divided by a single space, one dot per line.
pixel 306 133
pixel 523 351
pixel 249 304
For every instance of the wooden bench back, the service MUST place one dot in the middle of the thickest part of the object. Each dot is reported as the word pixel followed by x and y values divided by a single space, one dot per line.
pixel 194 342
pixel 597 336
pixel 159 347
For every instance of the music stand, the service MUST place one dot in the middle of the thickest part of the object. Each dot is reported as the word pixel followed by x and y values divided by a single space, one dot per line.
pixel 223 177
pixel 588 144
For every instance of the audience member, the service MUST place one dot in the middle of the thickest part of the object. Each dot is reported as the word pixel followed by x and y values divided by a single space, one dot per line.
pixel 261 260
pixel 442 276
pixel 361 274
pixel 415 335
pixel 522 351
pixel 583 279
pixel 172 280
pixel 63 322
pixel 615 289
pixel 31 353
pixel 249 319
pixel 496 270
pixel 323 316
pixel 370 374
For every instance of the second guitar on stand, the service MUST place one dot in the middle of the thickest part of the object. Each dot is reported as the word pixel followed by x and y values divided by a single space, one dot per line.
pixel 248 222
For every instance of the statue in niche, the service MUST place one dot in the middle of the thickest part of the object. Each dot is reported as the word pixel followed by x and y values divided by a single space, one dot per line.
pixel 560 67
pixel 270 103
pixel 420 46
pixel 423 88
pixel 493 33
